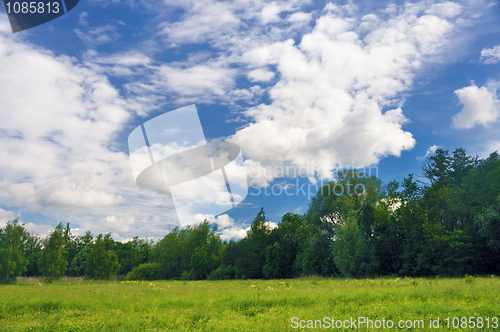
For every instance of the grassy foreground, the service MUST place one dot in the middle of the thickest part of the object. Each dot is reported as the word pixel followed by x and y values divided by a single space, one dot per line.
pixel 244 305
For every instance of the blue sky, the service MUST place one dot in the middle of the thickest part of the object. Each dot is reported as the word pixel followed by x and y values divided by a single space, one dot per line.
pixel 294 83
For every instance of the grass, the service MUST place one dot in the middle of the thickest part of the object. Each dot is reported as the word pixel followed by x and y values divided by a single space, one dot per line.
pixel 241 305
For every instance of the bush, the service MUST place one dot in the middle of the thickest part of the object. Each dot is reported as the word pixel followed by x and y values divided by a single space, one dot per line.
pixel 469 279
pixel 145 271
pixel 222 273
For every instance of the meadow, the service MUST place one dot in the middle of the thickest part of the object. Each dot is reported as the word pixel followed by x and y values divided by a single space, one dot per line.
pixel 248 305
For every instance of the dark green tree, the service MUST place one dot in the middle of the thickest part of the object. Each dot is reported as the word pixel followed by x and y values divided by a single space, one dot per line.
pixel 436 169
pixel 53 262
pixel 12 259
pixel 101 261
pixel 32 250
pixel 77 268
pixel 252 249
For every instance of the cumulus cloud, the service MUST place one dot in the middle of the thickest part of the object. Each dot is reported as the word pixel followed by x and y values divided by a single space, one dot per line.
pixel 233 22
pixel 227 228
pixel 208 79
pixel 260 75
pixel 336 102
pixel 445 9
pixel 490 55
pixel 57 125
pixel 235 232
pixel 222 221
pixel 333 81
pixel 480 106
pixel 6 216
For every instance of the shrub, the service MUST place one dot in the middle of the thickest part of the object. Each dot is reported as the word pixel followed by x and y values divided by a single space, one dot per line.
pixel 145 271
pixel 222 273
pixel 469 279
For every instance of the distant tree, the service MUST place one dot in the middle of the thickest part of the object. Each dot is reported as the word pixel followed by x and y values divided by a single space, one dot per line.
pixel 203 250
pixel 72 246
pixel 460 166
pixel 277 260
pixel 101 261
pixel 77 266
pixel 145 271
pixel 489 225
pixel 351 250
pixel 12 260
pixel 168 252
pixel 132 253
pixel 53 263
pixel 252 249
pixel 436 168
pixel 32 251
pixel 288 237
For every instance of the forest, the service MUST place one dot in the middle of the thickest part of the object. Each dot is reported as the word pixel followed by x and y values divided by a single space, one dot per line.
pixel 448 224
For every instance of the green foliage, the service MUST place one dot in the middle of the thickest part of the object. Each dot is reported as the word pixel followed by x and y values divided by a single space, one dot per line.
pixel 352 253
pixel 489 225
pixel 145 271
pixel 252 250
pixel 101 261
pixel 191 253
pixel 277 260
pixel 12 258
pixel 53 262
pixel 132 253
pixel 77 265
pixel 32 250
pixel 222 273
pixel 469 279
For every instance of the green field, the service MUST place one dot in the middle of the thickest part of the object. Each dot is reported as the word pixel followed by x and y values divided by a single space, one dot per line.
pixel 243 305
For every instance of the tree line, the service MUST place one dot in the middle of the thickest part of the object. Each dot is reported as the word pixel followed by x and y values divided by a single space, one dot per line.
pixel 447 225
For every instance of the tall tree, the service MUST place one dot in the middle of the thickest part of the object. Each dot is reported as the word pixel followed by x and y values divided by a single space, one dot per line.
pixel 53 263
pixel 460 166
pixel 252 250
pixel 436 168
pixel 12 260
pixel 351 250
pixel 32 251
pixel 101 261
pixel 77 268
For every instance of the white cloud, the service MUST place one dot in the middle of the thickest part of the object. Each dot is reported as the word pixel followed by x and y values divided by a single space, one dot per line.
pixel 445 9
pixel 429 151
pixel 234 24
pixel 480 106
pixel 300 17
pixel 6 216
pixel 21 193
pixel 223 220
pixel 235 232
pixel 490 55
pixel 82 19
pixel 65 192
pixel 210 79
pixel 57 125
pixel 260 75
pixel 202 20
pixel 337 99
pixel 98 35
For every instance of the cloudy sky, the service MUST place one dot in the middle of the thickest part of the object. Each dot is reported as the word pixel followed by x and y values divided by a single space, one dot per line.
pixel 311 87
